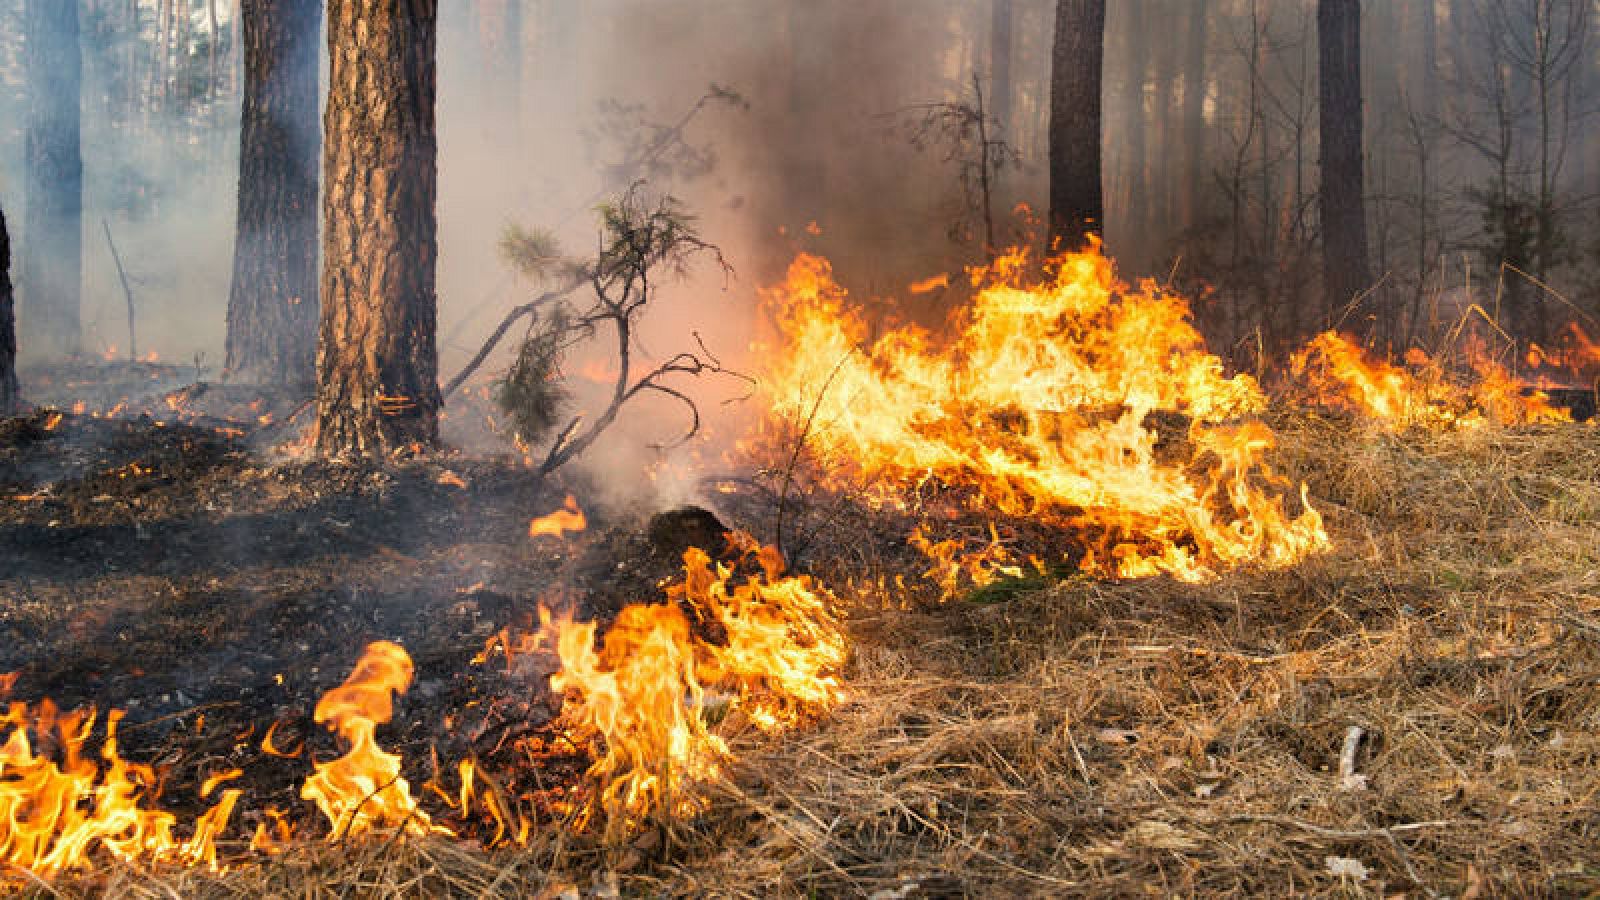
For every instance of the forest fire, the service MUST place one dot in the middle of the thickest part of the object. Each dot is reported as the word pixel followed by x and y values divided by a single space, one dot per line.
pixel 1042 401
pixel 1421 393
pixel 653 702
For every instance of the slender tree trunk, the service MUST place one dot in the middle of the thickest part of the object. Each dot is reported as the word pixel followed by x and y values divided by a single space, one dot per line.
pixel 52 259
pixel 272 306
pixel 1000 86
pixel 377 360
pixel 1344 225
pixel 10 396
pixel 1076 200
pixel 1194 126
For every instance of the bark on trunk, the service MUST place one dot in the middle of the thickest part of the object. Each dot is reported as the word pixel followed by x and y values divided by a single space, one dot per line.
pixel 272 307
pixel 1344 224
pixel 10 396
pixel 52 221
pixel 1076 204
pixel 377 363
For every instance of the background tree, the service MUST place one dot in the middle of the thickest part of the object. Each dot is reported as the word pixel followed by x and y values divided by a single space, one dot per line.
pixel 52 223
pixel 377 362
pixel 272 305
pixel 1340 197
pixel 1076 205
pixel 9 394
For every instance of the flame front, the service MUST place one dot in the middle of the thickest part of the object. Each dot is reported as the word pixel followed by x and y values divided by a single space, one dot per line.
pixel 1340 374
pixel 1040 401
pixel 363 789
pixel 53 815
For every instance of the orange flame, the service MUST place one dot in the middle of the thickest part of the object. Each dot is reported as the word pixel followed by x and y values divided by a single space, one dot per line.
pixel 1340 374
pixel 644 695
pixel 54 815
pixel 363 789
pixel 568 518
pixel 1040 401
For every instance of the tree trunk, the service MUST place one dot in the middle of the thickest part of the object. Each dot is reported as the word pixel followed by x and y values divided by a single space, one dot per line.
pixel 377 361
pixel 1076 204
pixel 1194 125
pixel 1000 86
pixel 52 222
pixel 10 397
pixel 1344 226
pixel 272 306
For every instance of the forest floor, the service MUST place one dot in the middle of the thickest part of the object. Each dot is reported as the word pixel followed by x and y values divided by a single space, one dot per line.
pixel 1042 737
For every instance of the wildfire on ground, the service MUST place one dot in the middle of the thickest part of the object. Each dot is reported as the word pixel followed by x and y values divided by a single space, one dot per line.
pixel 1420 393
pixel 652 701
pixel 1042 401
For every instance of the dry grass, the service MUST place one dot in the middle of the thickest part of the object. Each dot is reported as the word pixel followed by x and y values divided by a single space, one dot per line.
pixel 1099 739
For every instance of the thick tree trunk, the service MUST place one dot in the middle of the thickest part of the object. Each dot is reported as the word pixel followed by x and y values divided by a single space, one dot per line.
pixel 1076 204
pixel 1344 224
pixel 10 397
pixel 272 307
pixel 52 221
pixel 377 363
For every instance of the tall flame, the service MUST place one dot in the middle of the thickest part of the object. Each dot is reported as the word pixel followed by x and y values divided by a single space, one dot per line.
pixel 363 789
pixel 1040 401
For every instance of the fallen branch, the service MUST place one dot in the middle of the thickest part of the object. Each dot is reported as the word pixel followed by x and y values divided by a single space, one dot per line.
pixel 526 309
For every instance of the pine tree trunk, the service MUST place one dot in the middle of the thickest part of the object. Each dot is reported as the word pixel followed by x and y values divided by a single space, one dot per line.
pixel 1344 224
pixel 9 395
pixel 272 306
pixel 377 363
pixel 1076 204
pixel 52 223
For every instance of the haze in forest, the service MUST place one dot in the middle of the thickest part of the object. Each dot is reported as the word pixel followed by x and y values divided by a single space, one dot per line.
pixel 818 136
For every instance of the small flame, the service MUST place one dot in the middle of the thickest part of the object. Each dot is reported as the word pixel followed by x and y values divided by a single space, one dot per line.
pixel 568 518
pixel 363 789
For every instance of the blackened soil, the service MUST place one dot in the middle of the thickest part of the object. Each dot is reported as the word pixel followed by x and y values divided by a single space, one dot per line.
pixel 171 571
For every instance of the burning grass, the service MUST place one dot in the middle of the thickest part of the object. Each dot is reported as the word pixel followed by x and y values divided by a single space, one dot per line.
pixel 1413 709
pixel 1097 738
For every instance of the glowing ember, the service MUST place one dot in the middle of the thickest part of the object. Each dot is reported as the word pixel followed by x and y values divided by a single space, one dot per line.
pixel 54 814
pixel 363 789
pixel 1040 402
pixel 1340 375
pixel 568 518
